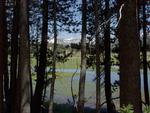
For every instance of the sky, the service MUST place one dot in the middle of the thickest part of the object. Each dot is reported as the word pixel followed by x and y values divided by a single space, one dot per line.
pixel 65 35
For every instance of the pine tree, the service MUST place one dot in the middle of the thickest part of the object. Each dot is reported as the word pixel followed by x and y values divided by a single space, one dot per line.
pixel 97 40
pixel 2 49
pixel 83 59
pixel 53 59
pixel 14 56
pixel 37 99
pixel 107 62
pixel 129 56
pixel 23 80
pixel 144 51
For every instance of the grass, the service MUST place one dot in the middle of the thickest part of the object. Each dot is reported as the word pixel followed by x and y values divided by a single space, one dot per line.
pixel 72 62
pixel 65 74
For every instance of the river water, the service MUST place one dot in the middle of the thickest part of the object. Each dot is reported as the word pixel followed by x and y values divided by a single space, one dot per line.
pixel 90 75
pixel 63 86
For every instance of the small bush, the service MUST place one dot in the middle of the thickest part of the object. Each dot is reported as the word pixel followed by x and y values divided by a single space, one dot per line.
pixel 147 109
pixel 127 109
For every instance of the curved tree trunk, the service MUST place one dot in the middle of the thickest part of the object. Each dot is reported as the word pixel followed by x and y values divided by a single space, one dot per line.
pixel 129 56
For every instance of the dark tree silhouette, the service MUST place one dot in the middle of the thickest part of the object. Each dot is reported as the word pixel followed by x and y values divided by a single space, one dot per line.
pixel 37 99
pixel 129 56
pixel 144 51
pixel 97 42
pixel 2 48
pixel 14 56
pixel 107 62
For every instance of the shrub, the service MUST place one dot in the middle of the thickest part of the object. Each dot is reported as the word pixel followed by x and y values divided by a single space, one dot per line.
pixel 147 109
pixel 127 109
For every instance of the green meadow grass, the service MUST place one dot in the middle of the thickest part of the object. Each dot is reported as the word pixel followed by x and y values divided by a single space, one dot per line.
pixel 71 63
pixel 74 61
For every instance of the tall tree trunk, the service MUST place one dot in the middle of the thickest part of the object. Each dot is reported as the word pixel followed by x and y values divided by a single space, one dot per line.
pixel 144 51
pixel 129 56
pixel 83 59
pixel 14 57
pixel 97 42
pixel 53 59
pixel 24 60
pixel 37 45
pixel 6 76
pixel 2 49
pixel 107 62
pixel 37 99
pixel 29 38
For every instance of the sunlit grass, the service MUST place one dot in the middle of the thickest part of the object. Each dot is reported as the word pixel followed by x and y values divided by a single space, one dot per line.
pixel 59 74
pixel 72 62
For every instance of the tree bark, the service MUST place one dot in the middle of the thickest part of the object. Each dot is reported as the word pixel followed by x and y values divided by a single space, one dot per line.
pixel 24 60
pixel 53 59
pixel 2 49
pixel 129 56
pixel 144 51
pixel 14 57
pixel 6 76
pixel 97 42
pixel 83 60
pixel 107 62
pixel 37 99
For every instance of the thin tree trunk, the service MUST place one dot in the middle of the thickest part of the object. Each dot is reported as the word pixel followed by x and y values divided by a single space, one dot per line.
pixel 129 56
pixel 24 60
pixel 81 99
pixel 6 79
pixel 97 42
pixel 6 76
pixel 37 99
pixel 37 45
pixel 14 58
pixel 107 62
pixel 53 60
pixel 2 49
pixel 45 88
pixel 31 87
pixel 144 51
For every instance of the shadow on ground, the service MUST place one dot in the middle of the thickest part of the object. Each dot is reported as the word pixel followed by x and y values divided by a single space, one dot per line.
pixel 68 108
